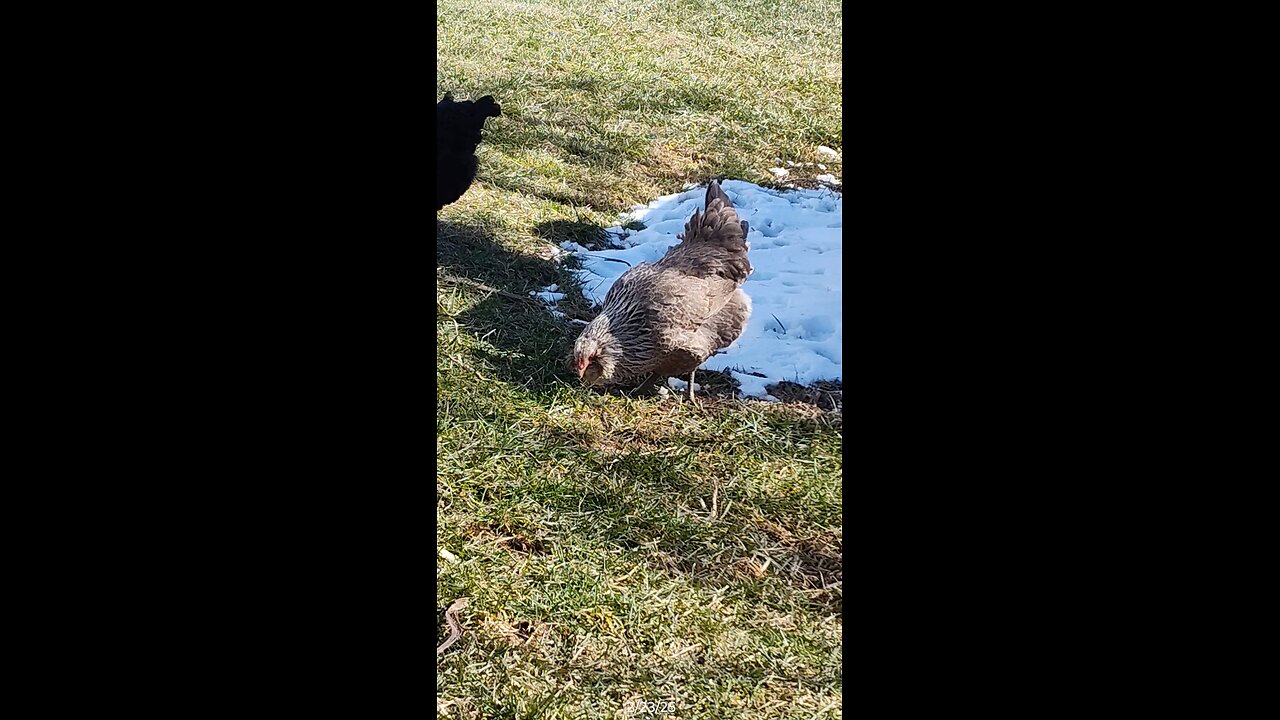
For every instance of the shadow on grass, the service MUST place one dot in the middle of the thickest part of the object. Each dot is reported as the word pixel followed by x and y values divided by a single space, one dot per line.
pixel 571 198
pixel 585 234
pixel 471 252
pixel 525 344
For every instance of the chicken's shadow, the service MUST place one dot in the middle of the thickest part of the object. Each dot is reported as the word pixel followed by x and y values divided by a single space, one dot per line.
pixel 585 234
pixel 525 344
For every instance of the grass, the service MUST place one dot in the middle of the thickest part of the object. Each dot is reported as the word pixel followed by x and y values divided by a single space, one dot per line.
pixel 620 548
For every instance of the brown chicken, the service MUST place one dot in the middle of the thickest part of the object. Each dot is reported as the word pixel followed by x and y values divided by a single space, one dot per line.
pixel 669 317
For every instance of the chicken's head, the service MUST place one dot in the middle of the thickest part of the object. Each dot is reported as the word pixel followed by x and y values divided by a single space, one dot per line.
pixel 586 361
pixel 593 353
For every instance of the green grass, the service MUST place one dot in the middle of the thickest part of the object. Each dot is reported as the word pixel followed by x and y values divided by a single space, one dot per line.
pixel 580 524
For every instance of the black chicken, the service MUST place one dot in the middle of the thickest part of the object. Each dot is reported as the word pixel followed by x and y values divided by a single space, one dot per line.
pixel 458 126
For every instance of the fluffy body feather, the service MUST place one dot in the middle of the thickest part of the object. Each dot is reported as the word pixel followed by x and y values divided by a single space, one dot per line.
pixel 458 126
pixel 669 317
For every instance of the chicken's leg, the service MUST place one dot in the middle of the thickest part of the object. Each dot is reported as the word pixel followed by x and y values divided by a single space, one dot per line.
pixel 691 374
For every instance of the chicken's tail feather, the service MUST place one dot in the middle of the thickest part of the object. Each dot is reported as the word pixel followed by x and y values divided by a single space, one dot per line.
pixel 715 192
pixel 714 241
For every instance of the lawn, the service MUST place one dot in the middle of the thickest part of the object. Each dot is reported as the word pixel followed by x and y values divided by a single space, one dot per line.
pixel 614 548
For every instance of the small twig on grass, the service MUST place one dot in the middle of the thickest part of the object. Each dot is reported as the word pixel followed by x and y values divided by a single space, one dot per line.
pixel 814 591
pixel 480 286
pixel 624 262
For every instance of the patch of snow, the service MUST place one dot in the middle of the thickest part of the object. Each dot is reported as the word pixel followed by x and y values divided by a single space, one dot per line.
pixel 795 331
pixel 821 166
pixel 824 150
pixel 680 385
pixel 828 179
pixel 780 172
pixel 549 297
